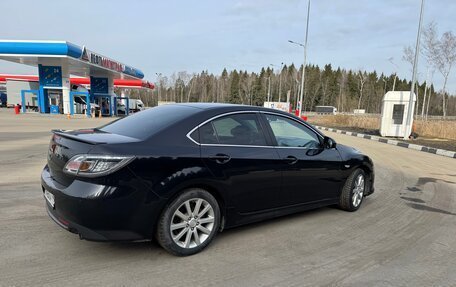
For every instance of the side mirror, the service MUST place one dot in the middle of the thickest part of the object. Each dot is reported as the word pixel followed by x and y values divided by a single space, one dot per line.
pixel 329 143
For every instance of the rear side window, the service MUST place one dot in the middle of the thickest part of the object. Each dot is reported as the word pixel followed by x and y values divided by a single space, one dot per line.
pixel 237 129
pixel 144 124
pixel 207 134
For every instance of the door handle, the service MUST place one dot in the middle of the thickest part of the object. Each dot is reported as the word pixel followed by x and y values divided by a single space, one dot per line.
pixel 220 158
pixel 291 159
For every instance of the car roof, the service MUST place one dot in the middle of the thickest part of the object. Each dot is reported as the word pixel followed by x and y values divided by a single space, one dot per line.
pixel 207 106
pixel 222 107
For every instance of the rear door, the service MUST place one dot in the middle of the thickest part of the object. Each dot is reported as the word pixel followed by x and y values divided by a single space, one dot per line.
pixel 310 172
pixel 234 147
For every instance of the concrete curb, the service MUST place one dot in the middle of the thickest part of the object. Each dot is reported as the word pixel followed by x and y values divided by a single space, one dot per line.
pixel 437 151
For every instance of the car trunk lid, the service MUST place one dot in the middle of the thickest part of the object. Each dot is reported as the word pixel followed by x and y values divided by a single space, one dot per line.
pixel 66 144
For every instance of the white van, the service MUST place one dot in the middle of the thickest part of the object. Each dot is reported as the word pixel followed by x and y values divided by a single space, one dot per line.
pixel 80 106
pixel 133 104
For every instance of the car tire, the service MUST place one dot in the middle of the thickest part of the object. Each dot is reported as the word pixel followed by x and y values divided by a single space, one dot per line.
pixel 353 192
pixel 189 223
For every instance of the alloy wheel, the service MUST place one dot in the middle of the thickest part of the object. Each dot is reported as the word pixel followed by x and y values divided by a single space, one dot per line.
pixel 358 190
pixel 192 223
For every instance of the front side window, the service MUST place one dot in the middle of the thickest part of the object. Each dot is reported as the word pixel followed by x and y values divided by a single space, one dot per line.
pixel 237 129
pixel 289 133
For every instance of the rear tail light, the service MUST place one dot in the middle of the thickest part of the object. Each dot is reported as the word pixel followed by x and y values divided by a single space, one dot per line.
pixel 95 165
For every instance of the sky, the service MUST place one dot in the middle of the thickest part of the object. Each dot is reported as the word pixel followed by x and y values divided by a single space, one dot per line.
pixel 171 36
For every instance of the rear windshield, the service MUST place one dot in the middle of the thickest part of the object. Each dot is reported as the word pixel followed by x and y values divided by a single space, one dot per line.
pixel 144 124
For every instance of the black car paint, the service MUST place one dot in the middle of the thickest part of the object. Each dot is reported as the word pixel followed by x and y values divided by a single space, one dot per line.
pixel 125 205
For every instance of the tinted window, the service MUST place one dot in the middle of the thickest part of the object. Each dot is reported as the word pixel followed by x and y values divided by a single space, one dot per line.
pixel 237 129
pixel 289 133
pixel 207 134
pixel 144 124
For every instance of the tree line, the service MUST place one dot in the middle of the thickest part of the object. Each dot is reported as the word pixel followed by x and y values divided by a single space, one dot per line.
pixel 344 89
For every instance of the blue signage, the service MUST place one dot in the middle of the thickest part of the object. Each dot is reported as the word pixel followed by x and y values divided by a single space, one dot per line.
pixel 133 72
pixel 54 110
pixel 98 85
pixel 50 76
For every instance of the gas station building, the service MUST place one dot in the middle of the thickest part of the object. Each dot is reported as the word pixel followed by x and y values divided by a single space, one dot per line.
pixel 56 61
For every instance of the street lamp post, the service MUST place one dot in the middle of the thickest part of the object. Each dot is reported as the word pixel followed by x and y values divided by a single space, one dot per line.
pixel 408 125
pixel 305 56
pixel 269 88
pixel 384 90
pixel 302 78
pixel 280 78
pixel 280 81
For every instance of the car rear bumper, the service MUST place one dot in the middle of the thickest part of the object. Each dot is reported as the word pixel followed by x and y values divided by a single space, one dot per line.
pixel 89 234
pixel 97 219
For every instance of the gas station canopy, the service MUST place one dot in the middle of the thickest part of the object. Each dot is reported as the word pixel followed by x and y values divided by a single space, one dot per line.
pixel 58 63
pixel 79 60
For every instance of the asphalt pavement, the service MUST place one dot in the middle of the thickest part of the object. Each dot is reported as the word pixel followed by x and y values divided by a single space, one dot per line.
pixel 403 235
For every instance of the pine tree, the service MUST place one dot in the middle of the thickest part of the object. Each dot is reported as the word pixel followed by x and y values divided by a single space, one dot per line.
pixel 235 97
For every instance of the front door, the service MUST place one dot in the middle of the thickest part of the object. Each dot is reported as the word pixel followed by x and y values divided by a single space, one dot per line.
pixel 310 172
pixel 235 149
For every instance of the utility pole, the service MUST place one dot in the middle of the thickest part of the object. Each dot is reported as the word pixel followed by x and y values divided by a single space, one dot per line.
pixel 280 81
pixel 425 92
pixel 408 125
pixel 395 72
pixel 394 83
pixel 297 92
pixel 280 78
pixel 305 58
pixel 384 87
pixel 159 85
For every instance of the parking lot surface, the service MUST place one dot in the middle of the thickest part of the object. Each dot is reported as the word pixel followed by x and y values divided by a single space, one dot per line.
pixel 403 235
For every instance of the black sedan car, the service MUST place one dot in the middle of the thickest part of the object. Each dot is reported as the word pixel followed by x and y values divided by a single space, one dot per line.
pixel 181 173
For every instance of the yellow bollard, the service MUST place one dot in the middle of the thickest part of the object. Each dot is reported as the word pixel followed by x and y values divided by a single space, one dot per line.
pixel 68 116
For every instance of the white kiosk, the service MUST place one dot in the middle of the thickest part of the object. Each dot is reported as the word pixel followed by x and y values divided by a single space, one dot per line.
pixel 394 114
